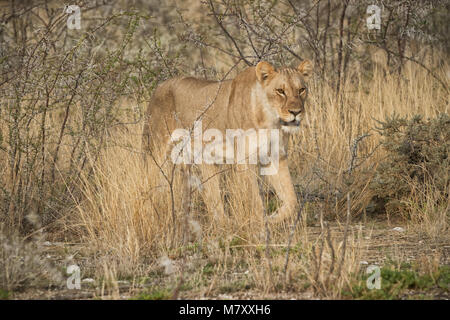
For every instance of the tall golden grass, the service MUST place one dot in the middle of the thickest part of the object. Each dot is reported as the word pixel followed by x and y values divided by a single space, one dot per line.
pixel 125 213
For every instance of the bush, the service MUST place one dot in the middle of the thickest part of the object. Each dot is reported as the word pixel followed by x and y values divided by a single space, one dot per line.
pixel 61 98
pixel 417 159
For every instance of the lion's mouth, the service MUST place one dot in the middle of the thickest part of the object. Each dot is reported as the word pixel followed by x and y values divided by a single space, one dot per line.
pixel 293 123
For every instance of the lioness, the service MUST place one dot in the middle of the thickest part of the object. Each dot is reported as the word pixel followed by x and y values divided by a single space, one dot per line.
pixel 259 97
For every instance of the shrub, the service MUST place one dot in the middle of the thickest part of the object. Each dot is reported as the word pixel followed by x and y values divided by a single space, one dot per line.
pixel 60 100
pixel 417 159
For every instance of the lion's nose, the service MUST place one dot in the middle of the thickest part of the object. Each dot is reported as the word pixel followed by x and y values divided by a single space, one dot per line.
pixel 295 112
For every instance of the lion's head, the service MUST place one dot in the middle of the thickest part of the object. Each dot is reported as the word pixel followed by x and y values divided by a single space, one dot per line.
pixel 286 91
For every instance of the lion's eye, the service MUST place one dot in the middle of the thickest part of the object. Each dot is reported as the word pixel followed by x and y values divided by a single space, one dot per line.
pixel 280 91
pixel 301 91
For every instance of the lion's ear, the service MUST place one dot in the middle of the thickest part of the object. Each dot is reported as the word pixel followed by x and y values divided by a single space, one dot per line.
pixel 305 68
pixel 264 70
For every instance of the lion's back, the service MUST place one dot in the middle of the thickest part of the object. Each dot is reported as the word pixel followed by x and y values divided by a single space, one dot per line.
pixel 179 101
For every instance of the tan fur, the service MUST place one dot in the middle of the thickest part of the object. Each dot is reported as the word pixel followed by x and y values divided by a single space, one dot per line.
pixel 252 100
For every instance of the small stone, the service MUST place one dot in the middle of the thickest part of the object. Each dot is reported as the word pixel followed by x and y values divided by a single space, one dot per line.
pixel 399 229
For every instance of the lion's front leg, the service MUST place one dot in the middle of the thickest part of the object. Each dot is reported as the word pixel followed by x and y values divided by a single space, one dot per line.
pixel 282 183
pixel 212 195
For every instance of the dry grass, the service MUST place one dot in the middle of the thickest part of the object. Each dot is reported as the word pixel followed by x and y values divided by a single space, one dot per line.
pixel 24 264
pixel 71 160
pixel 125 214
pixel 428 212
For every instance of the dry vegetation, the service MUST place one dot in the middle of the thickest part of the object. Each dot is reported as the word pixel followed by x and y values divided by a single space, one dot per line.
pixel 372 154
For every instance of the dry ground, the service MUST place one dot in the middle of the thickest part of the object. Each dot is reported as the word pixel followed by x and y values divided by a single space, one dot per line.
pixel 380 242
